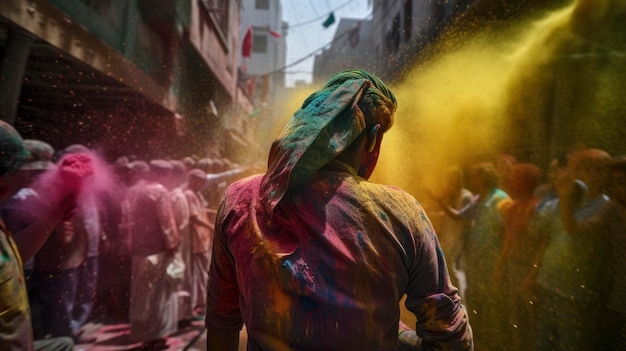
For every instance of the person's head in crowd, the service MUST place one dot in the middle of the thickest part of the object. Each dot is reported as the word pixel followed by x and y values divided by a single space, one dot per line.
pixel 76 149
pixel 13 154
pixel 41 154
pixel 205 164
pixel 189 162
pixel 179 171
pixel 40 160
pixel 524 178
pixel 228 164
pixel 218 166
pixel 139 170
pixel 71 149
pixel 162 172
pixel 484 178
pixel 590 166
pixel 196 180
pixel 504 163
pixel 74 170
pixel 122 170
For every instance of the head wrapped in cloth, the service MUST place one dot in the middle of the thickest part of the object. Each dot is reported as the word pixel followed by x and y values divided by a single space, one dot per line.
pixel 13 152
pixel 328 122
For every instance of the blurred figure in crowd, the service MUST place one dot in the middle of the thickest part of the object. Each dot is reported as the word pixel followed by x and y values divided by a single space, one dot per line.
pixel 516 264
pixel 504 164
pixel 89 220
pixel 59 262
pixel 302 253
pixel 175 183
pixel 154 242
pixel 480 252
pixel 453 230
pixel 22 210
pixel 202 241
pixel 572 274
pixel 15 320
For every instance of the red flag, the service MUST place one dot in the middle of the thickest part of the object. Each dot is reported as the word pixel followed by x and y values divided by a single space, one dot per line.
pixel 246 47
pixel 274 34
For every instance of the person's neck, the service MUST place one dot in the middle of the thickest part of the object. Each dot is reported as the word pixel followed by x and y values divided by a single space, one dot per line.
pixel 339 165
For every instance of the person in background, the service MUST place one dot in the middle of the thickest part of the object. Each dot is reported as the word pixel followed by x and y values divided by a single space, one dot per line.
pixel 572 274
pixel 453 230
pixel 312 255
pixel 202 241
pixel 58 262
pixel 175 183
pixel 504 165
pixel 16 332
pixel 516 263
pixel 89 221
pixel 480 252
pixel 22 209
pixel 154 241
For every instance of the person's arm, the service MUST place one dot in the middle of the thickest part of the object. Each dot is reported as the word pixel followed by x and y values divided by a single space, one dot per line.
pixel 197 221
pixel 570 194
pixel 61 190
pixel 407 338
pixel 443 323
pixel 222 343
pixel 223 319
pixel 456 214
pixel 30 239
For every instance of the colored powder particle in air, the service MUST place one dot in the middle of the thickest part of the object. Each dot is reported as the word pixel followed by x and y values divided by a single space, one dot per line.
pixel 383 215
pixel 360 239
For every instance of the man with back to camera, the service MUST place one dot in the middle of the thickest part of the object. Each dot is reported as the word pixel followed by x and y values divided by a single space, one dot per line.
pixel 311 255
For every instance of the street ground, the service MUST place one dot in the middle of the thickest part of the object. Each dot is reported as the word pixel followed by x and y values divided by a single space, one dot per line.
pixel 114 337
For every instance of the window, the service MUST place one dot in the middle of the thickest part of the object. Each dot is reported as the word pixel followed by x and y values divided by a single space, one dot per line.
pixel 219 11
pixel 259 43
pixel 262 4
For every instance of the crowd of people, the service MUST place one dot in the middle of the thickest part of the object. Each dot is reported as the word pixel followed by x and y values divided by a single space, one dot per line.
pixel 130 241
pixel 310 254
pixel 539 255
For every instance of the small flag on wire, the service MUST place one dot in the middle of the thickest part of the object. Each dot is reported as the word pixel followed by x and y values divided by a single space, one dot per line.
pixel 274 34
pixel 246 45
pixel 329 21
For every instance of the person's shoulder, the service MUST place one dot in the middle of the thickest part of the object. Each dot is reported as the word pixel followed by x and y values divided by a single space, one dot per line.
pixel 243 187
pixel 391 195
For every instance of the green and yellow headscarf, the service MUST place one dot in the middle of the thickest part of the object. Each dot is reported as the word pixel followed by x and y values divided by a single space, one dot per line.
pixel 328 122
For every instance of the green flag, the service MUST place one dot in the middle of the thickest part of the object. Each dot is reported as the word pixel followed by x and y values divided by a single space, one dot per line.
pixel 329 21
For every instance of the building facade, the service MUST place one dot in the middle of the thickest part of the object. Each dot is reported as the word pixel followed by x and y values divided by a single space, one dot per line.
pixel 137 77
pixel 261 65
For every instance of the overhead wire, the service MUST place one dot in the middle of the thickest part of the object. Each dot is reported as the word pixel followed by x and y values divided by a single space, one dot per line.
pixel 316 19
pixel 337 37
